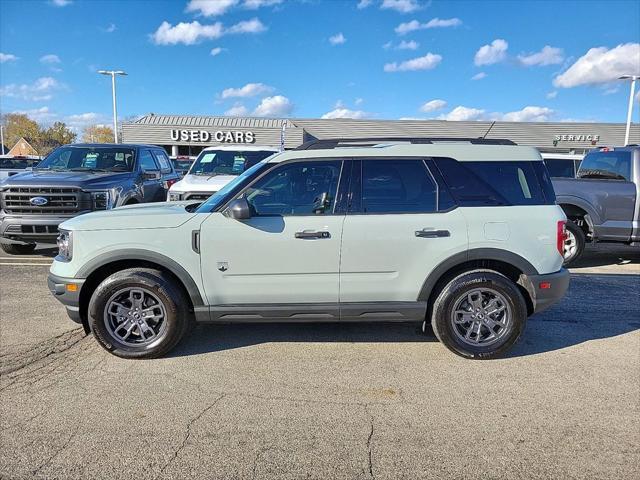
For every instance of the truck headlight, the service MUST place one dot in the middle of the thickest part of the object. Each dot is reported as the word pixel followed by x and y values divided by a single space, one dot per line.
pixel 174 197
pixel 65 245
pixel 102 200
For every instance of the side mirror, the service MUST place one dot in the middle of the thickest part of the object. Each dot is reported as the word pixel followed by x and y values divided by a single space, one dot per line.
pixel 239 209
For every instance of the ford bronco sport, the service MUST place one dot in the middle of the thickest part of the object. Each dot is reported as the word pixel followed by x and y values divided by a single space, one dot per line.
pixel 466 236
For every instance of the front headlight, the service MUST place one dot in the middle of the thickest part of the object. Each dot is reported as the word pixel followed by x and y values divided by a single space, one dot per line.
pixel 174 197
pixel 102 200
pixel 65 245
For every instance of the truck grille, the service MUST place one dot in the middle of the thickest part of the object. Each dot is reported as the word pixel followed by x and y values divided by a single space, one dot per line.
pixel 59 201
pixel 198 195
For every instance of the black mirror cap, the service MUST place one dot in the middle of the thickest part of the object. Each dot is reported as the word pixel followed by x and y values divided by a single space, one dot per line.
pixel 239 209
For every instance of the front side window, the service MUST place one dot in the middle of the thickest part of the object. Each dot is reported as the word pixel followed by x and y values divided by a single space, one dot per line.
pixel 147 163
pixel 226 162
pixel 111 159
pixel 614 165
pixel 397 186
pixel 302 188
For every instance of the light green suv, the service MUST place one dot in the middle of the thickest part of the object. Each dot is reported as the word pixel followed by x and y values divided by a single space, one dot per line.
pixel 463 235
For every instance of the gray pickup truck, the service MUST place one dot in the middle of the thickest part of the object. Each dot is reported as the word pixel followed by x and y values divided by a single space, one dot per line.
pixel 603 203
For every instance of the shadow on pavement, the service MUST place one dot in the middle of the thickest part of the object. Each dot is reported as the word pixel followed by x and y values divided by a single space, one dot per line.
pixel 596 307
pixel 604 254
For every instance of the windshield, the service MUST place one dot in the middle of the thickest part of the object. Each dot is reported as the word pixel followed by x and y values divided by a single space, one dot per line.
pixel 215 200
pixel 226 162
pixel 107 159
pixel 613 165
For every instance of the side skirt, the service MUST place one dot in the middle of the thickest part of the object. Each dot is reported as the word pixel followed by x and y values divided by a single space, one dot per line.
pixel 314 312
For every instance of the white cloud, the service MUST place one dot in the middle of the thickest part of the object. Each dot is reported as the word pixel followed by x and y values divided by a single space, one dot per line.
pixel 7 57
pixel 276 106
pixel 364 4
pixel 433 105
pixel 216 51
pixel 249 90
pixel 337 39
pixel 256 4
pixel 39 90
pixel 413 25
pixel 402 6
pixel 40 115
pixel 111 28
pixel 552 94
pixel 60 3
pixel 461 114
pixel 238 110
pixel 493 53
pixel 410 45
pixel 387 45
pixel 343 112
pixel 426 62
pixel 479 76
pixel 247 26
pixel 50 59
pixel 547 56
pixel 194 32
pixel 80 121
pixel 528 114
pixel 210 8
pixel 601 65
pixel 359 101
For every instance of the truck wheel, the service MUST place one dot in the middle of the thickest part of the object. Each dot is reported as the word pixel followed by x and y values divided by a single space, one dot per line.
pixel 139 313
pixel 479 314
pixel 574 243
pixel 18 248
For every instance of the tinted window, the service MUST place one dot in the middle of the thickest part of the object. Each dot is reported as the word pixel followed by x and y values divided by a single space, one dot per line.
pixel 163 160
pixel 560 167
pixel 304 188
pixel 226 162
pixel 401 186
pixel 613 165
pixel 147 163
pixel 493 183
pixel 114 159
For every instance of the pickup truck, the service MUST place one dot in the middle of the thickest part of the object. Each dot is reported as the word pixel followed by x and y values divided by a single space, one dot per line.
pixel 603 203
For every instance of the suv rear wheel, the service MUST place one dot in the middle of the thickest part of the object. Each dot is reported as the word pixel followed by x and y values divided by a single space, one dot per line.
pixel 18 248
pixel 479 314
pixel 139 313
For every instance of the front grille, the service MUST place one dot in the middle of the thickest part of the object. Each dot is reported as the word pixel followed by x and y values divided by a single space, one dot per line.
pixel 198 195
pixel 39 229
pixel 60 201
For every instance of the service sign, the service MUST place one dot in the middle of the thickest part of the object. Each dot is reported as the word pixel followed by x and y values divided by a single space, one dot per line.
pixel 576 138
pixel 205 136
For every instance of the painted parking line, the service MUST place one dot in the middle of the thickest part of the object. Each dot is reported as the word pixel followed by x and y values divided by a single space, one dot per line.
pixel 32 264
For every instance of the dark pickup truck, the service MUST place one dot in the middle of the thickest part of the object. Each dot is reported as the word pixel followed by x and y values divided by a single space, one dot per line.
pixel 75 179
pixel 603 203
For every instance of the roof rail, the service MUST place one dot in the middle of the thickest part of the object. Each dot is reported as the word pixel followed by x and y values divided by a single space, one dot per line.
pixel 330 143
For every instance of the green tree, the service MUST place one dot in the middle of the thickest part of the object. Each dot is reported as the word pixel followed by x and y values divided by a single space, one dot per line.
pixel 97 134
pixel 18 125
pixel 54 136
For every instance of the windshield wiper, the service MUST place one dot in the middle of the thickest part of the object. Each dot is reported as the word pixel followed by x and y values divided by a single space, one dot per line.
pixel 87 169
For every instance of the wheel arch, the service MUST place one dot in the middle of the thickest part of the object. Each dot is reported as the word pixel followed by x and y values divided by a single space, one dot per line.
pixel 509 264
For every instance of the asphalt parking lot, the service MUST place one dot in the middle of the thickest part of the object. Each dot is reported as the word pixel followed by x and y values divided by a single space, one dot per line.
pixel 326 401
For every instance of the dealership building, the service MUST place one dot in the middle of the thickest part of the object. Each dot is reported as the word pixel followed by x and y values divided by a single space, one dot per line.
pixel 189 134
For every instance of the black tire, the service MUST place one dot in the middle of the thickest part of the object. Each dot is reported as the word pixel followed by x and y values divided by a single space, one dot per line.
pixel 580 241
pixel 177 317
pixel 18 248
pixel 455 291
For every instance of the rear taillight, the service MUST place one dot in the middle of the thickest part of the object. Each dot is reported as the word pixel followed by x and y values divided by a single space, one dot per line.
pixel 168 183
pixel 561 236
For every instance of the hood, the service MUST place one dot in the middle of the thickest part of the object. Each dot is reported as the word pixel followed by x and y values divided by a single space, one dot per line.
pixel 149 215
pixel 84 180
pixel 201 183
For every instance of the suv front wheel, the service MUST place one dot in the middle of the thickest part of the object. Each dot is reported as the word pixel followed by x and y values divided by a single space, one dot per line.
pixel 479 314
pixel 139 313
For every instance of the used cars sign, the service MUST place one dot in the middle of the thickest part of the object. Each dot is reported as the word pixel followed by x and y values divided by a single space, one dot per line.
pixel 205 136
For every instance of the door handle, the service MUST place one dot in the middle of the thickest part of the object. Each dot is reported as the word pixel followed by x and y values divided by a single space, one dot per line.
pixel 426 233
pixel 306 234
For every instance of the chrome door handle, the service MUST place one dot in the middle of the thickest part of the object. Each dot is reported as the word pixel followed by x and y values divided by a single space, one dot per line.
pixel 311 234
pixel 426 233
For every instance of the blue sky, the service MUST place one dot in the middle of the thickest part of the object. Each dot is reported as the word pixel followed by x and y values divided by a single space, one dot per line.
pixel 386 59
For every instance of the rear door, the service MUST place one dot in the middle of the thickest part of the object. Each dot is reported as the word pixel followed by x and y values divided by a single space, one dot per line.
pixel 400 226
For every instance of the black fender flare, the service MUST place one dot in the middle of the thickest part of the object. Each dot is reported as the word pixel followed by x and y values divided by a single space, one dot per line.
pixel 138 254
pixel 498 254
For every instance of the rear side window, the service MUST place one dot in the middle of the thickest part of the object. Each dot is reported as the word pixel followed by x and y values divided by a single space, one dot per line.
pixel 494 183
pixel 610 165
pixel 163 160
pixel 398 186
pixel 560 168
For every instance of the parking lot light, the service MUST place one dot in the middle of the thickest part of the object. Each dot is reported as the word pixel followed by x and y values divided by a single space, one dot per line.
pixel 113 74
pixel 633 79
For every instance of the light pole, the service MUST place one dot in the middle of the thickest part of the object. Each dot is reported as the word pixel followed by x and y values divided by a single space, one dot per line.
pixel 113 74
pixel 633 79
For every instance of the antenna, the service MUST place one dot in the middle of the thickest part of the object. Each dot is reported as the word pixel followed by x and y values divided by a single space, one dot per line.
pixel 490 127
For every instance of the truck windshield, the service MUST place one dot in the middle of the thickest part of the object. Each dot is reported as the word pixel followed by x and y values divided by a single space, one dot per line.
pixel 226 162
pixel 101 159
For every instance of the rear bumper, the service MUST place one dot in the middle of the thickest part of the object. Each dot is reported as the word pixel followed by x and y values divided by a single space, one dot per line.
pixel 547 289
pixel 70 299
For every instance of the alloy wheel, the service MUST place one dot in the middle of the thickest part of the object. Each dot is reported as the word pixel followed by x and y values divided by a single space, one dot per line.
pixel 481 317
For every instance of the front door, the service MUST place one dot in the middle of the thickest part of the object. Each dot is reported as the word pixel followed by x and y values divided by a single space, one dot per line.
pixel 151 179
pixel 286 254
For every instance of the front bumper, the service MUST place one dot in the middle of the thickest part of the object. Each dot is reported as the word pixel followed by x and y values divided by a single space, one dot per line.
pixel 31 228
pixel 547 289
pixel 69 298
